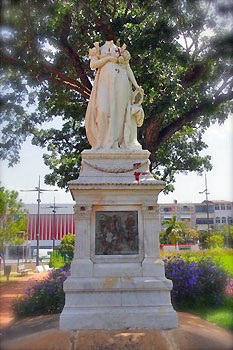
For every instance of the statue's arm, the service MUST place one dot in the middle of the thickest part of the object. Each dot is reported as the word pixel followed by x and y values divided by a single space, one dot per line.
pixel 132 77
pixel 100 62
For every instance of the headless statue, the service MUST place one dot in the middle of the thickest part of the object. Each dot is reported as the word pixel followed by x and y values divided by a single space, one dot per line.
pixel 114 110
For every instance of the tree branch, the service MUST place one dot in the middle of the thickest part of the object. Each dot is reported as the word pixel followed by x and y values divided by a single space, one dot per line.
pixel 73 57
pixel 58 78
pixel 224 84
pixel 190 116
pixel 152 130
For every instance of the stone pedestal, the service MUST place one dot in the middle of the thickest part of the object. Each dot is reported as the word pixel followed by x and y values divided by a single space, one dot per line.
pixel 117 276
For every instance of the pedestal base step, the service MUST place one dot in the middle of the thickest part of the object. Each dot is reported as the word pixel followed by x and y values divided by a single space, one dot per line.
pixel 118 318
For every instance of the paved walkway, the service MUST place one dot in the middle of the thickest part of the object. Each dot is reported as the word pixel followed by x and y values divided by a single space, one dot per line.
pixel 12 290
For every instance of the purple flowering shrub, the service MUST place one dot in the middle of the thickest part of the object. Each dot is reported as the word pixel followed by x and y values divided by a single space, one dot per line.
pixel 196 283
pixel 45 297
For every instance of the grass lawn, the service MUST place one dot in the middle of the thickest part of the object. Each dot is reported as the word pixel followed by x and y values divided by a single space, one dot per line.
pixel 226 262
pixel 222 316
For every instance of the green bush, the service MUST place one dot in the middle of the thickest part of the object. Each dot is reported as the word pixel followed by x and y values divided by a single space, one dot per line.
pixel 216 241
pixel 56 260
pixel 66 247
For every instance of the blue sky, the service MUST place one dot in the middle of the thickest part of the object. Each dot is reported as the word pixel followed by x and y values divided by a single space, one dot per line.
pixel 187 187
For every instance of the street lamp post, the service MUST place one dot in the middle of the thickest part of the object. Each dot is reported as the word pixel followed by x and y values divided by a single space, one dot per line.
pixel 54 207
pixel 39 191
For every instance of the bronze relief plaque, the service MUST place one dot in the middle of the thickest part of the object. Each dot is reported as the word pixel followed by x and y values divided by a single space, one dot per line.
pixel 116 233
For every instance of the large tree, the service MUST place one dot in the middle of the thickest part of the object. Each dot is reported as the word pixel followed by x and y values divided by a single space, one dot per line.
pixel 181 55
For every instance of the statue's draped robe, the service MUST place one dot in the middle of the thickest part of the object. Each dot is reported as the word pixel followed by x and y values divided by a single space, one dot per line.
pixel 111 97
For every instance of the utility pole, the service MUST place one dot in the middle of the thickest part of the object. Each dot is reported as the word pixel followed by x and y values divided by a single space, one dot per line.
pixel 207 207
pixel 39 191
pixel 54 207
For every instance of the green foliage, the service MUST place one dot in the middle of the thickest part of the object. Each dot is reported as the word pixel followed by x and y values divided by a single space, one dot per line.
pixel 181 54
pixel 204 239
pixel 66 247
pixel 64 252
pixel 216 241
pixel 172 230
pixel 226 231
pixel 56 260
pixel 214 238
pixel 12 218
pixel 178 231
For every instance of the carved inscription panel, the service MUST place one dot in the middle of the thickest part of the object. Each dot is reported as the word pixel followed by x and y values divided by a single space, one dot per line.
pixel 116 233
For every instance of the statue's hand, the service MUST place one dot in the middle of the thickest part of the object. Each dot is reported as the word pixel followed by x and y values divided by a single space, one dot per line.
pixel 121 60
pixel 112 59
pixel 140 89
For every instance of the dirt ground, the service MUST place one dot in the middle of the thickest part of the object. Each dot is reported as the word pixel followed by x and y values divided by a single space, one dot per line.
pixel 9 291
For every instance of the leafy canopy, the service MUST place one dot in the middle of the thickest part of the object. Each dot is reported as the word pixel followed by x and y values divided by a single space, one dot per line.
pixel 181 55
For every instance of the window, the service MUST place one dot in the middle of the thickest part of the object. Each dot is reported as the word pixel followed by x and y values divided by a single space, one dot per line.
pixel 216 206
pixel 222 206
pixel 204 221
pixel 217 220
pixel 167 209
pixel 230 220
pixel 228 207
pixel 185 208
pixel 203 208
pixel 224 221
pixel 166 219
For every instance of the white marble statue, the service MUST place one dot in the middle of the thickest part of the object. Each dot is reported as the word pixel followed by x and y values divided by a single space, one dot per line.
pixel 114 110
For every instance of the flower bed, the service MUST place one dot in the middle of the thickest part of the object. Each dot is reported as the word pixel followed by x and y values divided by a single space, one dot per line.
pixel 195 283
pixel 45 297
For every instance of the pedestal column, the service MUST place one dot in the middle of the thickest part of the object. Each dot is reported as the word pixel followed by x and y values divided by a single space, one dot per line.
pixel 82 265
pixel 152 264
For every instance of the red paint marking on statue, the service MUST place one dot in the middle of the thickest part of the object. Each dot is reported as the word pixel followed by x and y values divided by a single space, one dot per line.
pixel 136 174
